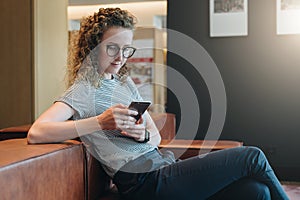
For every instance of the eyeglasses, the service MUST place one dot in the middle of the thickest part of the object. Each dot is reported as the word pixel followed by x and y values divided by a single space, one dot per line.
pixel 112 50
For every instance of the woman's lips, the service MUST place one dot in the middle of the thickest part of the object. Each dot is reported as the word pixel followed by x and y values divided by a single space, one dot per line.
pixel 116 64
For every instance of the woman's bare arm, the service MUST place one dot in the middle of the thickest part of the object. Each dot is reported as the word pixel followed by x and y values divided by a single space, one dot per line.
pixel 53 125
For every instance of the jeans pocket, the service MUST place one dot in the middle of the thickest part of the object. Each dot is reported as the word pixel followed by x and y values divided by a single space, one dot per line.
pixel 168 157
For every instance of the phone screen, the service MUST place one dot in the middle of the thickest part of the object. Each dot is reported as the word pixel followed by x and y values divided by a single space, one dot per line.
pixel 140 107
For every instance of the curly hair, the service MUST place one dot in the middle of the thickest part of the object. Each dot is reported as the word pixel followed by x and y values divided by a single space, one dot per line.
pixel 82 62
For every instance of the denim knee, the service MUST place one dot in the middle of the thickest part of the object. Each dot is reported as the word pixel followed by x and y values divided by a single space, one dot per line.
pixel 257 161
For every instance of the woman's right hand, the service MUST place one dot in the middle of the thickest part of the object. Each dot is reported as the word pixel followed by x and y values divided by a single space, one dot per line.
pixel 116 117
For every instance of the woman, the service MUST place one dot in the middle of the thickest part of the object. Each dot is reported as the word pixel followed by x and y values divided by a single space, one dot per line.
pixel 95 108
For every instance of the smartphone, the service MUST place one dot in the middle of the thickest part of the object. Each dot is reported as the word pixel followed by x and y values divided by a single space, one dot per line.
pixel 140 107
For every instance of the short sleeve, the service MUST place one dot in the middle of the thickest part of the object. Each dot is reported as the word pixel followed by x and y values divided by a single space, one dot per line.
pixel 80 97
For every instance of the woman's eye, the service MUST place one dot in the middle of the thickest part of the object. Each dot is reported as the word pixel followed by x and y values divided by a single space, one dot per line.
pixel 112 50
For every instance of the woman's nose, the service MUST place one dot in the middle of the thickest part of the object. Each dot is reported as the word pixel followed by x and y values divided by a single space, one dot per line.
pixel 119 55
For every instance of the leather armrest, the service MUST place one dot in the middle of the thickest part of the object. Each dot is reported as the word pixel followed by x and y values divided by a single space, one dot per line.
pixel 166 124
pixel 187 148
pixel 42 171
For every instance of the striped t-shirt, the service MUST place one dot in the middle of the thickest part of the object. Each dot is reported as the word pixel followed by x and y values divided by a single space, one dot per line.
pixel 109 146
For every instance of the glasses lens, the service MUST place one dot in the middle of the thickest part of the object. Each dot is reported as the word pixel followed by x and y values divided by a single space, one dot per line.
pixel 128 52
pixel 112 50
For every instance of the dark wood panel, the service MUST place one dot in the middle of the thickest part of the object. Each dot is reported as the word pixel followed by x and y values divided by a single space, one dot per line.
pixel 16 102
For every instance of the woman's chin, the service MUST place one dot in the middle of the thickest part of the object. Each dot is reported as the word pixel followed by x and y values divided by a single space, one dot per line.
pixel 115 71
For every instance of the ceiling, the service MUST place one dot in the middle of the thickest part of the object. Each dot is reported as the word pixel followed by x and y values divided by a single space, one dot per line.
pixel 95 2
pixel 145 11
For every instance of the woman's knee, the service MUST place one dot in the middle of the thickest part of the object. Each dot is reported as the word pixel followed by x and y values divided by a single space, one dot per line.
pixel 256 157
pixel 251 159
pixel 248 150
pixel 256 150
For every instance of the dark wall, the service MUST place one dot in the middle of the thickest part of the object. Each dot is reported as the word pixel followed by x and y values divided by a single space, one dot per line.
pixel 261 74
pixel 16 67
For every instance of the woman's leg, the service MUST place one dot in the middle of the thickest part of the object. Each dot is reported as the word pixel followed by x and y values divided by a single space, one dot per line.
pixel 202 176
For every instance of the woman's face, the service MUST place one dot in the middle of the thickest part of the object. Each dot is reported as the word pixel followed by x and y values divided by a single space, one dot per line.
pixel 111 50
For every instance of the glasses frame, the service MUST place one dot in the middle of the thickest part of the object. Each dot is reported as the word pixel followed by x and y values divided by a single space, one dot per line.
pixel 119 48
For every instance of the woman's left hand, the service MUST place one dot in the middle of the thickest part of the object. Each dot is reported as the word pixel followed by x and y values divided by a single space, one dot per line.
pixel 136 131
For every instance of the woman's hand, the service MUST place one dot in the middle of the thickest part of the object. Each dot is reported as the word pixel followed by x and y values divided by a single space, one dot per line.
pixel 120 117
pixel 135 131
pixel 117 117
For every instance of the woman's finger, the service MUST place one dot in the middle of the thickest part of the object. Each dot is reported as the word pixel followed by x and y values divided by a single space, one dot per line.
pixel 125 111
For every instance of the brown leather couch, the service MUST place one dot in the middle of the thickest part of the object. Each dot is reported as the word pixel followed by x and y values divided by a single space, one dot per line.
pixel 66 170
pixel 57 171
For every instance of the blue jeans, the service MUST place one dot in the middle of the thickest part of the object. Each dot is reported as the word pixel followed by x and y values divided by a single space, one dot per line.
pixel 238 173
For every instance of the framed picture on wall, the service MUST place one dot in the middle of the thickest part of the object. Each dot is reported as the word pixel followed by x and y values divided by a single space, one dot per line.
pixel 288 16
pixel 228 18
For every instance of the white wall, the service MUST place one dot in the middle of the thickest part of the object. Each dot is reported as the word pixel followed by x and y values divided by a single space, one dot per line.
pixel 50 54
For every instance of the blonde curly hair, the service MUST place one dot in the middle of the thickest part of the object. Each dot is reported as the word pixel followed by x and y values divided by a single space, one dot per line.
pixel 82 61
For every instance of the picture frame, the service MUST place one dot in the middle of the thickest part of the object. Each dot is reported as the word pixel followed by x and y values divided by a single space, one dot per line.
pixel 288 16
pixel 228 18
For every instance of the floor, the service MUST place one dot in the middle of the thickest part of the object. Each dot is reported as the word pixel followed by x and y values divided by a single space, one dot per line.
pixel 292 189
